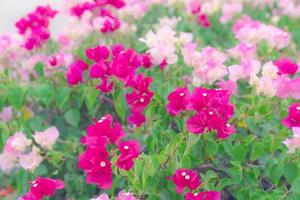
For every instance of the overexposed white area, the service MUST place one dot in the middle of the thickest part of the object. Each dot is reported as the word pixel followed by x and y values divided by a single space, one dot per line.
pixel 12 10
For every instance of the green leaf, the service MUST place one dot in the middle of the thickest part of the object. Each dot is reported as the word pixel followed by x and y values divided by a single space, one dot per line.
pixel 39 69
pixel 257 151
pixel 91 97
pixel 72 117
pixel 290 171
pixel 62 96
pixel 36 123
pixel 16 96
pixel 120 103
pixel 46 93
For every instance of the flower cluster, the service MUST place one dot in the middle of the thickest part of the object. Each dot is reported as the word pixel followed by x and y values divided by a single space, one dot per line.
pixel 255 32
pixel 123 66
pixel 201 17
pixel 34 27
pixel 121 196
pixel 208 64
pixel 162 45
pixel 102 17
pixel 19 150
pixel 95 159
pixel 186 178
pixel 212 108
pixel 42 187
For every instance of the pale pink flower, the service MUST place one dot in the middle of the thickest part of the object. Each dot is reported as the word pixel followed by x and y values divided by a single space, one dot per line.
pixel 266 86
pixel 101 197
pixel 125 196
pixel 243 51
pixel 7 162
pixel 47 138
pixel 244 70
pixel 288 88
pixel 228 85
pixel 270 70
pixel 229 10
pixel 32 160
pixel 17 144
pixel 6 114
pixel 293 143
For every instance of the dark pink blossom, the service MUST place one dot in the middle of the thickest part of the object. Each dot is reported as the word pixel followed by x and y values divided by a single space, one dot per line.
pixel 97 53
pixel 129 150
pixel 286 66
pixel 136 118
pixel 293 118
pixel 178 100
pixel 74 73
pixel 203 20
pixel 42 187
pixel 185 178
pixel 208 195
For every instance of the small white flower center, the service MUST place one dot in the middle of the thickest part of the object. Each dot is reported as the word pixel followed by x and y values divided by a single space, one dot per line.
pixel 183 173
pixel 228 125
pixel 210 113
pixel 204 94
pixel 298 107
pixel 142 100
pixel 126 147
pixel 187 177
pixel 196 194
pixel 35 185
pixel 102 164
pixel 181 94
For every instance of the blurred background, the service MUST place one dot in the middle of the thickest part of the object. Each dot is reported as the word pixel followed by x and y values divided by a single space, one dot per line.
pixel 12 10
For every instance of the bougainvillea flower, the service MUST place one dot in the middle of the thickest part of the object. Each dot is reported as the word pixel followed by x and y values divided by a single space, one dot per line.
pixel 287 88
pixel 47 138
pixel 97 53
pixel 139 101
pixel 208 195
pixel 293 118
pixel 125 196
pixel 185 178
pixel 286 66
pixel 129 150
pixel 17 144
pixel 293 143
pixel 178 101
pixel 136 118
pixel 75 70
pixel 97 168
pixel 203 20
pixel 32 160
pixel 42 187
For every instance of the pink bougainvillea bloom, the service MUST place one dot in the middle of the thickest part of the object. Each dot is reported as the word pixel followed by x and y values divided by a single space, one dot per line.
pixel 208 195
pixel 287 88
pixel 293 143
pixel 293 118
pixel 97 168
pixel 136 118
pixel 97 53
pixel 129 150
pixel 125 196
pixel 8 162
pixel 74 73
pixel 17 144
pixel 6 114
pixel 286 66
pixel 47 138
pixel 195 6
pixel 101 197
pixel 213 110
pixel 42 187
pixel 203 20
pixel 229 85
pixel 31 160
pixel 178 101
pixel 185 178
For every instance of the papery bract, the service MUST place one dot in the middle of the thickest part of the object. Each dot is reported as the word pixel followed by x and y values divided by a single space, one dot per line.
pixel 185 178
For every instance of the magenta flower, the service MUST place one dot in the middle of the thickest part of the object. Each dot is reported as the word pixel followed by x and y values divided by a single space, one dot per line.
pixel 185 178
pixel 129 150
pixel 208 195
pixel 213 112
pixel 293 118
pixel 97 167
pixel 136 118
pixel 42 187
pixel 286 66
pixel 178 101
pixel 97 53
pixel 74 73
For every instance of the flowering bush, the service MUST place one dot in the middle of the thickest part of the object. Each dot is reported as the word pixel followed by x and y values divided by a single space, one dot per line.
pixel 133 100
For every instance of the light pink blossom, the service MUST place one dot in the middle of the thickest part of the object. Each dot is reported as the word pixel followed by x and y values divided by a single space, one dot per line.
pixel 47 138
